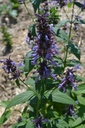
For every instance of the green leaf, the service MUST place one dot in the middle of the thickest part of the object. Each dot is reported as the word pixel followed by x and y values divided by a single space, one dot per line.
pixel 62 23
pixel 21 124
pixel 61 35
pixel 70 4
pixel 81 126
pixel 75 50
pixel 35 4
pixel 28 66
pixel 57 96
pixel 81 99
pixel 63 123
pixel 81 89
pixel 32 29
pixel 4 103
pixel 30 81
pixel 17 82
pixel 21 98
pixel 29 124
pixel 77 122
pixel 5 116
pixel 79 22
pixel 13 13
pixel 72 63
pixel 78 4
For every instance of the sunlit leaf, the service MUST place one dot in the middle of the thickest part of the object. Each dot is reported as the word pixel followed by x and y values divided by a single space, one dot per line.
pixel 21 98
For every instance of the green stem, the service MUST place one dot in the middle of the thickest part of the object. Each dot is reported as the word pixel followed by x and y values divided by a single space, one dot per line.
pixel 70 31
pixel 66 14
pixel 27 8
pixel 37 107
pixel 29 87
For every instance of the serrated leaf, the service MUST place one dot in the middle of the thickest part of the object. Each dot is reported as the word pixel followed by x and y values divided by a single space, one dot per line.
pixel 57 96
pixel 75 50
pixel 77 122
pixel 81 86
pixel 21 98
pixel 29 124
pixel 81 126
pixel 30 81
pixel 81 100
pixel 21 124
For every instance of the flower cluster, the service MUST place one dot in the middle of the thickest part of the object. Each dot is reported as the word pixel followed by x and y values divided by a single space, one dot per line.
pixel 39 121
pixel 62 2
pixel 69 79
pixel 83 5
pixel 44 47
pixel 11 68
pixel 70 111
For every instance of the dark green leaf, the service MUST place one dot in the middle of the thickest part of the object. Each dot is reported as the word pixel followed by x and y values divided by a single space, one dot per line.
pixel 28 66
pixel 29 124
pixel 21 98
pixel 72 63
pixel 35 4
pixel 74 49
pixel 32 29
pixel 57 96
pixel 17 82
pixel 78 4
pixel 81 99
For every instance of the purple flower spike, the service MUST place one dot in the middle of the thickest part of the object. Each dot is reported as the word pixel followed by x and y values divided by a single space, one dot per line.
pixel 69 79
pixel 70 111
pixel 61 2
pixel 39 122
pixel 44 48
pixel 11 68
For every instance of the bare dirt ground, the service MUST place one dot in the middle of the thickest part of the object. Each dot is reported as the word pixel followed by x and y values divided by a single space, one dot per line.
pixel 19 31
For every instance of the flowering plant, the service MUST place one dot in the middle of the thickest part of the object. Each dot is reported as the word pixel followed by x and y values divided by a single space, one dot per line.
pixel 55 93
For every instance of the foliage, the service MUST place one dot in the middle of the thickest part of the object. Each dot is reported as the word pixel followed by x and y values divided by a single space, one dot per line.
pixel 7 39
pixel 55 92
